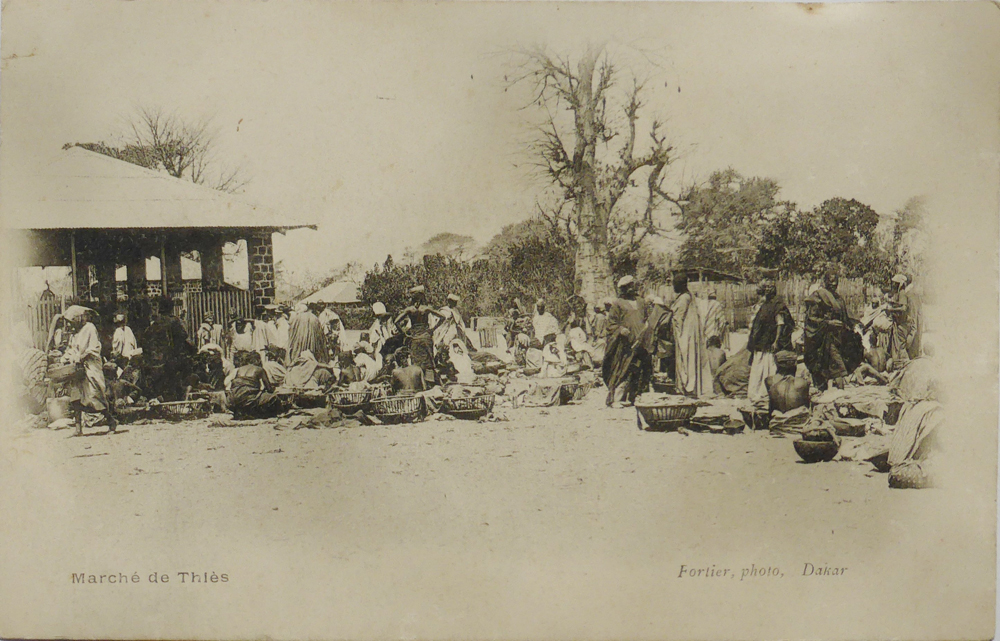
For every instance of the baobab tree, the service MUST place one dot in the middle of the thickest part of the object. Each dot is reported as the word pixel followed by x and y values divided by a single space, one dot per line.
pixel 587 149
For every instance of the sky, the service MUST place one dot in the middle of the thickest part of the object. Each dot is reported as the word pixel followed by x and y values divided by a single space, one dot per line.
pixel 387 123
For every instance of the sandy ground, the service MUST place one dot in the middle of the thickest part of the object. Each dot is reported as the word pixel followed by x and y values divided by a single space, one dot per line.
pixel 566 522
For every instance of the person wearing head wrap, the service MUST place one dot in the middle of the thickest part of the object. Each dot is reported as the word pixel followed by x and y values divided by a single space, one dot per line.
pixel 832 349
pixel 251 393
pixel 716 324
pixel 692 366
pixel 770 332
pixel 305 333
pixel 87 392
pixel 543 322
pixel 451 325
pixel 281 326
pixel 209 331
pixel 363 358
pixel 381 328
pixel 421 338
pixel 123 341
pixel 625 360
pixel 597 330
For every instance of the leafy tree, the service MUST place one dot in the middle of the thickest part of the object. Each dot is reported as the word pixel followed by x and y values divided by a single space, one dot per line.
pixel 723 221
pixel 839 230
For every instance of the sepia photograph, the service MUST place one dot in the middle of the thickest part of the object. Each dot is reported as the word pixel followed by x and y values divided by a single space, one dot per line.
pixel 499 320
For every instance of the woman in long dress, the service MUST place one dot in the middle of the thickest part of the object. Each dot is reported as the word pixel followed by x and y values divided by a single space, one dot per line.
pixel 421 335
pixel 89 391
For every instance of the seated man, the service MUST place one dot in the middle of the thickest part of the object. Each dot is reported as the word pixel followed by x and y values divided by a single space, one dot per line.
pixel 407 378
pixel 786 391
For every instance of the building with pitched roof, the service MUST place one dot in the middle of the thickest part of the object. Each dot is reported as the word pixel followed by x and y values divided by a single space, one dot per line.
pixel 91 212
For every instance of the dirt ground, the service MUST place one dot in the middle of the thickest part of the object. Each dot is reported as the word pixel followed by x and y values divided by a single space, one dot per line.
pixel 560 522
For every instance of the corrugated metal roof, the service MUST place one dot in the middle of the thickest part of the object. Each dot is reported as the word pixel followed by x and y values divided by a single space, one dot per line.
pixel 81 189
pixel 345 291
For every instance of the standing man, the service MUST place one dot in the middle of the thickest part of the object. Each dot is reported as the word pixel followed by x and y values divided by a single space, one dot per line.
pixel 421 344
pixel 716 324
pixel 694 371
pixel 828 334
pixel 305 334
pixel 622 369
pixel 770 333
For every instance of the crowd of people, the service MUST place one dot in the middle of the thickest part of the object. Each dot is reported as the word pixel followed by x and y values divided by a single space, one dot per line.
pixel 626 339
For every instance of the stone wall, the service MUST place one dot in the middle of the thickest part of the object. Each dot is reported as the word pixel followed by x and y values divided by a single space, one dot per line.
pixel 260 258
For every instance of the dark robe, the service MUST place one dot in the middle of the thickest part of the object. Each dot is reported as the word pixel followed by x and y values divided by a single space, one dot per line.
pixel 167 356
pixel 831 351
pixel 764 329
pixel 625 358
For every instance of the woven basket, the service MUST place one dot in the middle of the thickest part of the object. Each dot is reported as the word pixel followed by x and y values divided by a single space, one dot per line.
pixel 666 417
pixel 129 414
pixel 350 402
pixel 470 408
pixel 567 392
pixel 180 410
pixel 398 409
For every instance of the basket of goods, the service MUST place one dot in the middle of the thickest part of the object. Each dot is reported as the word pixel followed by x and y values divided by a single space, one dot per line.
pixel 470 408
pixel 350 402
pixel 666 413
pixel 130 413
pixel 567 391
pixel 663 383
pixel 817 445
pixel 756 419
pixel 855 427
pixel 892 412
pixel 65 373
pixel 398 409
pixel 180 410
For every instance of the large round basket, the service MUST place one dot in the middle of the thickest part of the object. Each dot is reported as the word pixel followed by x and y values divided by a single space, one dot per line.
pixel 816 451
pixel 350 402
pixel 398 409
pixel 470 408
pixel 666 418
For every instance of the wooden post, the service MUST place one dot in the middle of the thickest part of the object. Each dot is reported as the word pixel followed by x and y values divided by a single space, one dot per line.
pixel 163 264
pixel 72 253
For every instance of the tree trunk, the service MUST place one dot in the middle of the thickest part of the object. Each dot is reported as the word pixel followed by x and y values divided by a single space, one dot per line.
pixel 593 264
pixel 593 271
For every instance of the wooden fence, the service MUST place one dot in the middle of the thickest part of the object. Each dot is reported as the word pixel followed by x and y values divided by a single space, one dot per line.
pixel 220 303
pixel 39 314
